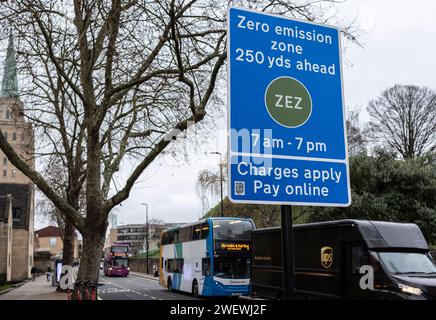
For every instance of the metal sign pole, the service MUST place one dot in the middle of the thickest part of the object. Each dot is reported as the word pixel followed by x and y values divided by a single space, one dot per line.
pixel 287 253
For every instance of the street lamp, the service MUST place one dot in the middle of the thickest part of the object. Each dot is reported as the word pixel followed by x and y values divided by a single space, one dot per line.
pixel 221 179
pixel 146 236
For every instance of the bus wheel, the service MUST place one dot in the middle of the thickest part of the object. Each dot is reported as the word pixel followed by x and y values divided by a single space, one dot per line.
pixel 169 285
pixel 195 289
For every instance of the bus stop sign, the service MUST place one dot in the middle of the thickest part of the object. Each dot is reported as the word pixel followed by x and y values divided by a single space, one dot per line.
pixel 287 134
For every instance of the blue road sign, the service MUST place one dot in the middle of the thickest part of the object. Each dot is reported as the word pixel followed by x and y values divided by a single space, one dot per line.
pixel 287 134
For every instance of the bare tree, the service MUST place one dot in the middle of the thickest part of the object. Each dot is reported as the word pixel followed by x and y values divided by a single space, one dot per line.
pixel 113 81
pixel 208 186
pixel 404 119
pixel 67 231
pixel 355 136
pixel 56 176
pixel 109 106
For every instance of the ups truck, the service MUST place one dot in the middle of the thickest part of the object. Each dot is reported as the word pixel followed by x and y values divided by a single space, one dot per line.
pixel 346 259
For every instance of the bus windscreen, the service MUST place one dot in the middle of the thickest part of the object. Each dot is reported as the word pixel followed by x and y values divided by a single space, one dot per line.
pixel 232 229
pixel 119 249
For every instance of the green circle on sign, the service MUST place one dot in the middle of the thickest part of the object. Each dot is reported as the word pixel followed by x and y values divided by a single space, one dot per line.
pixel 288 102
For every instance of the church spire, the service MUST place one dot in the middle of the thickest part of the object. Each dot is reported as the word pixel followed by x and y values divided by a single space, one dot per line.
pixel 10 82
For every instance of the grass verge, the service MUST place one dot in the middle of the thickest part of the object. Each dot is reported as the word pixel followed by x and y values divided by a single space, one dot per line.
pixel 5 287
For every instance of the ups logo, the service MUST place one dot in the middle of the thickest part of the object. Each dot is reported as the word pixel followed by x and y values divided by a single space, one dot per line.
pixel 326 257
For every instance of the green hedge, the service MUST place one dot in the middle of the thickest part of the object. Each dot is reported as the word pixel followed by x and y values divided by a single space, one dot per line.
pixel 151 254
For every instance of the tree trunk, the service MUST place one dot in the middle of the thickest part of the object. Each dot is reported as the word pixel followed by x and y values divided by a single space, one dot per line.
pixel 94 232
pixel 70 230
pixel 69 233
pixel 93 242
pixel 69 243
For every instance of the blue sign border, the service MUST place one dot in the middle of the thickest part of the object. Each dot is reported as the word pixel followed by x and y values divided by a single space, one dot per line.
pixel 230 154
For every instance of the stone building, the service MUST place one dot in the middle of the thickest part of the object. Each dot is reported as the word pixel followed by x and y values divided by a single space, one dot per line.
pixel 111 238
pixel 5 238
pixel 16 190
pixel 134 235
pixel 49 243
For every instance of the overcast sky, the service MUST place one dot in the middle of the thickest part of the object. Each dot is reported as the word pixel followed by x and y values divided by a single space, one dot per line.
pixel 399 47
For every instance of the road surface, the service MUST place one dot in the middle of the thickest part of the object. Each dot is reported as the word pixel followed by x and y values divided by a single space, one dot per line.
pixel 136 288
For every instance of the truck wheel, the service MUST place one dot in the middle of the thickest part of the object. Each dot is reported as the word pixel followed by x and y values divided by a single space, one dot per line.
pixel 169 285
pixel 195 288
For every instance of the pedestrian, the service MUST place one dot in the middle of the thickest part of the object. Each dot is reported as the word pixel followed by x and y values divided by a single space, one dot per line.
pixel 33 273
pixel 48 272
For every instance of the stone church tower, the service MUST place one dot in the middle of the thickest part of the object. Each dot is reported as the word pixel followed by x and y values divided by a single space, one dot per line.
pixel 16 190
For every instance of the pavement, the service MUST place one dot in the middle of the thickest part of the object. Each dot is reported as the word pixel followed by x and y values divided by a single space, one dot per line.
pixel 40 289
pixel 137 286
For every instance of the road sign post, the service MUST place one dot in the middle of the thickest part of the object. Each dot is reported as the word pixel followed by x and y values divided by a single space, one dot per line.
pixel 287 134
pixel 287 253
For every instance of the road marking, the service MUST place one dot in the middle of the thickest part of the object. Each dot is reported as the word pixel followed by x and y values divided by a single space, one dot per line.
pixel 112 283
pixel 119 286
pixel 116 288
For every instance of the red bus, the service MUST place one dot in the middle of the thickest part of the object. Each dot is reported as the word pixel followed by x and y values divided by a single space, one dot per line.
pixel 116 260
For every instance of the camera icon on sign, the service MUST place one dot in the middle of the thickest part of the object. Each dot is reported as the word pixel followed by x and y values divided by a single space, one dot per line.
pixel 240 188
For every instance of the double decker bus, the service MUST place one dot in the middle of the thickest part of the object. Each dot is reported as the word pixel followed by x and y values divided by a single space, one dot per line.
pixel 116 260
pixel 211 257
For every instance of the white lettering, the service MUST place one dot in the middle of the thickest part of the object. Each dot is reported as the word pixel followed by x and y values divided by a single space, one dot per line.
pixel 367 280
pixel 280 97
pixel 241 22
pixel 252 25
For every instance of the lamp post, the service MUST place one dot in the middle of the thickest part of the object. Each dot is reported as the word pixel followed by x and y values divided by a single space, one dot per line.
pixel 221 180
pixel 146 236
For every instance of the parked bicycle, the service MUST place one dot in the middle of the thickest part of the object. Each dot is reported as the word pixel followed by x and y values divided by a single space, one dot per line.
pixel 84 290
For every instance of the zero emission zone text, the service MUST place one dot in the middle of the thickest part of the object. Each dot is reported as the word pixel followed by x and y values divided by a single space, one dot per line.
pixel 283 47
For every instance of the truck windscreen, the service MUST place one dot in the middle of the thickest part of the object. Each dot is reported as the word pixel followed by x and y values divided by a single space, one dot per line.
pixel 232 229
pixel 407 262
